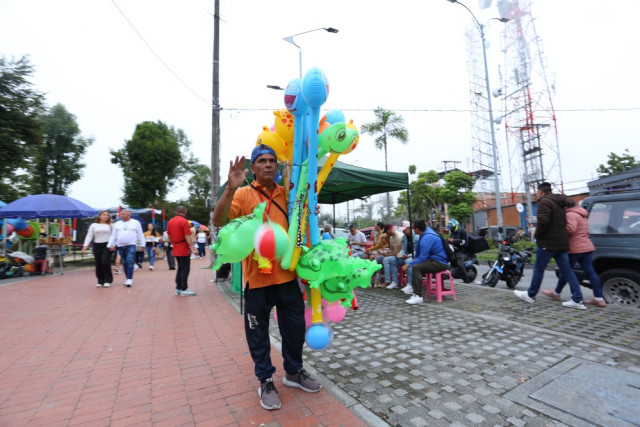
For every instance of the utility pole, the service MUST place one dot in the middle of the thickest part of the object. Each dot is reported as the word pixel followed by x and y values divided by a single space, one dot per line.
pixel 215 109
pixel 215 120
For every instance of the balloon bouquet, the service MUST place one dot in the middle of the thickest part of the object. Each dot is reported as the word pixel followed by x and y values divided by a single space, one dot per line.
pixel 299 138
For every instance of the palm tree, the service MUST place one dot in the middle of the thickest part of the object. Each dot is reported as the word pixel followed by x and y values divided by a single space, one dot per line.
pixel 387 125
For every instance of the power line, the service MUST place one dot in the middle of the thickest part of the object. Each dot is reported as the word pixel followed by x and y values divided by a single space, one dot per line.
pixel 435 110
pixel 158 56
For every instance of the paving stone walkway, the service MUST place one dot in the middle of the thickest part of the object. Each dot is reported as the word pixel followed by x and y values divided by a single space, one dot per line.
pixel 471 361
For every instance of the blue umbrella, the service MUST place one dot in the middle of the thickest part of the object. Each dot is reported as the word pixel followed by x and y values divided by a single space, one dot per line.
pixel 47 206
pixel 195 223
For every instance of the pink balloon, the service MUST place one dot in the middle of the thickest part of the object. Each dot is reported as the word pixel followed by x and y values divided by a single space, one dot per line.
pixel 335 312
pixel 272 128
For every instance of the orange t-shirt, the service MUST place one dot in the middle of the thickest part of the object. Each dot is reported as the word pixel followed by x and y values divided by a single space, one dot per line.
pixel 244 201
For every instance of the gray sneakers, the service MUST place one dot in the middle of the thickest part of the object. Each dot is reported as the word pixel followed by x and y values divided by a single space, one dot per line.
pixel 302 380
pixel 187 293
pixel 268 394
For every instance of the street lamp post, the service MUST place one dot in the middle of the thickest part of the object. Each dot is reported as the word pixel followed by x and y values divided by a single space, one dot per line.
pixel 494 147
pixel 290 40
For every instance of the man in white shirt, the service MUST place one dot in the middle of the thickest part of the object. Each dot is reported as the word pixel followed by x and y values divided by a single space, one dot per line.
pixel 127 235
pixel 357 241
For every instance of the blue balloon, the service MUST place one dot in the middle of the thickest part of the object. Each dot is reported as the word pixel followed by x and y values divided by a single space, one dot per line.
pixel 315 88
pixel 293 99
pixel 318 336
pixel 335 116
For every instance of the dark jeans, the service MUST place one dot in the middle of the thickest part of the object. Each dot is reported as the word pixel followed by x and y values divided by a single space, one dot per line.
pixel 127 259
pixel 584 259
pixel 287 298
pixel 139 258
pixel 102 258
pixel 168 253
pixel 182 275
pixel 543 257
pixel 201 247
pixel 430 266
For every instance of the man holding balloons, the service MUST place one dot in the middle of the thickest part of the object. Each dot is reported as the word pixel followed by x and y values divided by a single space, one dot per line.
pixel 264 291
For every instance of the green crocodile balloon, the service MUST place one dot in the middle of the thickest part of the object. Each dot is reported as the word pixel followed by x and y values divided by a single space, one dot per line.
pixel 235 240
pixel 339 288
pixel 327 265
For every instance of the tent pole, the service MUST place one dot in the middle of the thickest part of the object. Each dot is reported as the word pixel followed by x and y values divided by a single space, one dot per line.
pixel 409 201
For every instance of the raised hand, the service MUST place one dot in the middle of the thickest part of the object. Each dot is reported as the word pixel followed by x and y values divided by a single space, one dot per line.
pixel 237 173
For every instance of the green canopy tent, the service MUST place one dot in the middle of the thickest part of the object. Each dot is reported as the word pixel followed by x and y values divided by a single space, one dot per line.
pixel 347 182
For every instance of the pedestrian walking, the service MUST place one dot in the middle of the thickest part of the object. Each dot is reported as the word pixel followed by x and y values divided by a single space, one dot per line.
pixel 552 242
pixel 127 235
pixel 180 236
pixel 99 232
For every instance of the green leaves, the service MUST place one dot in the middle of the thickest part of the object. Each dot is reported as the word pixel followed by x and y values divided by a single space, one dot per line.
pixel 151 162
pixel 58 164
pixel 20 132
pixel 617 164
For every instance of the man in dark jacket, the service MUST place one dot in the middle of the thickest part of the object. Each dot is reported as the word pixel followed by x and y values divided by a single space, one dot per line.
pixel 553 242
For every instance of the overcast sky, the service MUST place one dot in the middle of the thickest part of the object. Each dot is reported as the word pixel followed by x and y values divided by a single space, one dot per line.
pixel 407 56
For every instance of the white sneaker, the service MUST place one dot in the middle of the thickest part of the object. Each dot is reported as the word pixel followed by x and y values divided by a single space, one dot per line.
pixel 392 285
pixel 408 290
pixel 98 285
pixel 572 304
pixel 135 267
pixel 187 293
pixel 525 296
pixel 116 270
pixel 128 283
pixel 415 299
pixel 107 285
pixel 151 267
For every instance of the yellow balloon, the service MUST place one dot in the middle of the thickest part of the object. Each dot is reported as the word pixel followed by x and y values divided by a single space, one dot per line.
pixel 274 141
pixel 284 125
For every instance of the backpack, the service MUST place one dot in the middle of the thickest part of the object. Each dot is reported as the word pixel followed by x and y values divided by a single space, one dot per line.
pixel 447 248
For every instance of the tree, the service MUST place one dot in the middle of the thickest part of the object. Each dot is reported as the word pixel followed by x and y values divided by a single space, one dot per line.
pixel 425 197
pixel 20 133
pixel 428 196
pixel 199 190
pixel 151 161
pixel 58 164
pixel 456 191
pixel 387 125
pixel 617 164
pixel 200 182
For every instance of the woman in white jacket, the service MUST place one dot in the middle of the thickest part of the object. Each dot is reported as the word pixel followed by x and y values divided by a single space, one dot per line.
pixel 99 232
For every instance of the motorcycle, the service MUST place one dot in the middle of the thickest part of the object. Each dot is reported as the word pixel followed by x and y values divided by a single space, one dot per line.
pixel 509 266
pixel 468 261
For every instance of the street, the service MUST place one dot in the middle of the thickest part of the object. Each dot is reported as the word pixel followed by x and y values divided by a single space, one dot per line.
pixel 548 282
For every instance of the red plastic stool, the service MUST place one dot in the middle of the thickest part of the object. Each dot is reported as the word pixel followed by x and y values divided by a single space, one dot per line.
pixel 41 266
pixel 437 287
pixel 403 278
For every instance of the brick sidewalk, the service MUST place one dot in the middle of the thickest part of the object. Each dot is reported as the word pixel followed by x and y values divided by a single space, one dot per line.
pixel 73 354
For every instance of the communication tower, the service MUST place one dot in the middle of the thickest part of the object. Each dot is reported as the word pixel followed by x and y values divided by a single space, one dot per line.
pixel 528 114
pixel 482 155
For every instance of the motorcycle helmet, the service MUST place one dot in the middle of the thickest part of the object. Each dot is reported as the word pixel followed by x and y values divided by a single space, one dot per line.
pixel 453 225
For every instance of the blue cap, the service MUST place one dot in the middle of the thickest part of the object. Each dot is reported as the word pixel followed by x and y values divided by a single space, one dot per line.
pixel 261 149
